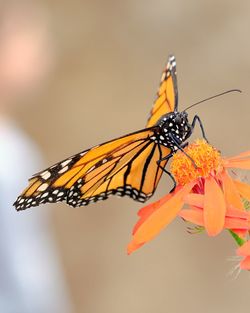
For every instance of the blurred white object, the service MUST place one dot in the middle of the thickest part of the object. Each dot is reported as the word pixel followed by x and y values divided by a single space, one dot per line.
pixel 31 278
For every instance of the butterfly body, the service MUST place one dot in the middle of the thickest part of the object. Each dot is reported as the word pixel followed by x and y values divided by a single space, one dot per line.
pixel 130 165
pixel 173 127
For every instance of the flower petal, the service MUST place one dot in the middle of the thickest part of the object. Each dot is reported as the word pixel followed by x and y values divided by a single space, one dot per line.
pixel 159 219
pixel 244 250
pixel 193 216
pixel 195 199
pixel 132 246
pixel 243 164
pixel 236 223
pixel 243 188
pixel 146 211
pixel 214 207
pixel 245 264
pixel 232 212
pixel 234 219
pixel 231 193
pixel 240 156
pixel 240 232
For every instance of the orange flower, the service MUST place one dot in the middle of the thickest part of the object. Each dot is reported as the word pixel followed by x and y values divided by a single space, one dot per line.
pixel 215 199
pixel 244 251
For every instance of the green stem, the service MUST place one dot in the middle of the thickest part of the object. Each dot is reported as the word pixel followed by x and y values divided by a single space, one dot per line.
pixel 238 240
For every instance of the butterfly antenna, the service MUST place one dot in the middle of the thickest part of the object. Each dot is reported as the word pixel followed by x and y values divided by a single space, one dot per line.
pixel 218 95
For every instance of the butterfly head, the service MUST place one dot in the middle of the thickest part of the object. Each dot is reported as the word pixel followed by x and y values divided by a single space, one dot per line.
pixel 174 120
pixel 180 118
pixel 180 126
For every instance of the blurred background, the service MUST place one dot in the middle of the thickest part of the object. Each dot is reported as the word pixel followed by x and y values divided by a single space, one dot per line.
pixel 74 74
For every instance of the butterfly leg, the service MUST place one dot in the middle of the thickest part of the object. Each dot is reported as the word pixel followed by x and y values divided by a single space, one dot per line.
pixel 197 119
pixel 165 171
pixel 167 158
pixel 169 174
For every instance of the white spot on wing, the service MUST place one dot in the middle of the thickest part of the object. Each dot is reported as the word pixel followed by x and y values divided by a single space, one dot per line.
pixel 64 169
pixel 43 187
pixel 90 169
pixel 44 195
pixel 45 175
pixel 65 162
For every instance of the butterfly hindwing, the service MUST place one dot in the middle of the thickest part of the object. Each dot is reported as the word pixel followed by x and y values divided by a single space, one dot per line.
pixel 124 166
pixel 167 95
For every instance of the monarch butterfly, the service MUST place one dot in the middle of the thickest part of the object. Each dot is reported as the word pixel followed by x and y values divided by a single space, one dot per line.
pixel 131 165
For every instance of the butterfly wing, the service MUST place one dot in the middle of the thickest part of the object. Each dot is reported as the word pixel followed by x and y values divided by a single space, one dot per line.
pixel 124 166
pixel 167 95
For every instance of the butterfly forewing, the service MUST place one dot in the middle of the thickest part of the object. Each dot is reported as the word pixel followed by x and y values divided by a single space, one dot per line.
pixel 124 166
pixel 167 95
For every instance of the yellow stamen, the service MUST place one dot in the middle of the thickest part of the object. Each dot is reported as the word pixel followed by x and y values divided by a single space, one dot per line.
pixel 206 157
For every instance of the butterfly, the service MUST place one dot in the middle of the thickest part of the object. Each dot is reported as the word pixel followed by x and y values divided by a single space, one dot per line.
pixel 131 165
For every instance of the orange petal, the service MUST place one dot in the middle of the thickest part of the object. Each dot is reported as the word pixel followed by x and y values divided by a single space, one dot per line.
pixel 132 246
pixel 159 219
pixel 196 217
pixel 146 211
pixel 240 156
pixel 193 216
pixel 243 164
pixel 231 193
pixel 240 232
pixel 195 208
pixel 236 223
pixel 214 207
pixel 245 264
pixel 244 250
pixel 153 206
pixel 243 188
pixel 195 199
pixel 234 219
pixel 231 212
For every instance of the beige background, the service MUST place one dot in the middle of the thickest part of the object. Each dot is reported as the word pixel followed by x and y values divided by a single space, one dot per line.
pixel 109 57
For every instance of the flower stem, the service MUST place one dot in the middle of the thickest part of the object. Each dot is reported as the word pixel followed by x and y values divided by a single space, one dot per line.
pixel 238 240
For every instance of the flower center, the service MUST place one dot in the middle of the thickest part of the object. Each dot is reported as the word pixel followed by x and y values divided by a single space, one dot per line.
pixel 207 159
